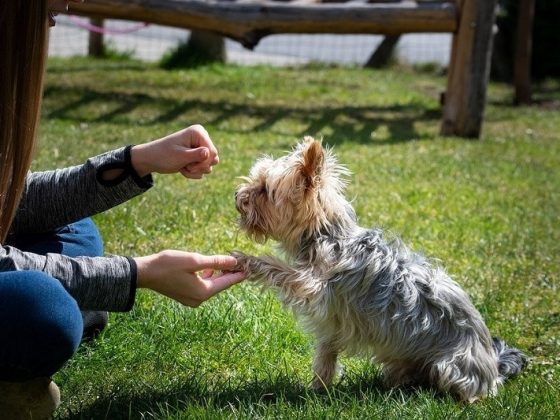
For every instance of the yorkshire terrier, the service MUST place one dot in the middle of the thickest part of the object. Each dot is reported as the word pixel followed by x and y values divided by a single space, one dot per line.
pixel 358 292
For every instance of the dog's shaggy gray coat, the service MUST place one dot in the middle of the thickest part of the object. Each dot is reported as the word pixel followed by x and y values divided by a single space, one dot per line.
pixel 360 293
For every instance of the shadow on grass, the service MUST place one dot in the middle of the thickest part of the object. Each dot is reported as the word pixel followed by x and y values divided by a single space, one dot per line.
pixel 544 95
pixel 258 398
pixel 344 123
pixel 102 64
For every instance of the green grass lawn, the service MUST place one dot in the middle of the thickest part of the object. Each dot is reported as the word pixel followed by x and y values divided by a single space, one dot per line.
pixel 488 210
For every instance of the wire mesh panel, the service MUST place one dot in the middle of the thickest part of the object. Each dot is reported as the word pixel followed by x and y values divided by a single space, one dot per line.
pixel 70 37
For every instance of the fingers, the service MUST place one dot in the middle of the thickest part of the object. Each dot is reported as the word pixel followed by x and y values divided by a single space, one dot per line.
pixel 196 155
pixel 188 278
pixel 200 137
pixel 189 151
pixel 216 262
pixel 206 164
pixel 188 174
pixel 197 162
pixel 224 281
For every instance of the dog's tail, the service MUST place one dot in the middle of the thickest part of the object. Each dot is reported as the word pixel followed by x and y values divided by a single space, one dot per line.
pixel 511 361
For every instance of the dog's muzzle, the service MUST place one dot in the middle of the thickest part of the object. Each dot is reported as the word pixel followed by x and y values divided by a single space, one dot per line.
pixel 237 203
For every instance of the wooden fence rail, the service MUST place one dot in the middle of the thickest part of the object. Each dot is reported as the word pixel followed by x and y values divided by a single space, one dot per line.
pixel 248 22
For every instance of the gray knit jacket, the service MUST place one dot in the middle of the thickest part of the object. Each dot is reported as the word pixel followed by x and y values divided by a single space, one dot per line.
pixel 56 198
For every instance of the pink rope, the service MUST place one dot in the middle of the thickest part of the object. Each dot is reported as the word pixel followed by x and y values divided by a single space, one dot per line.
pixel 82 23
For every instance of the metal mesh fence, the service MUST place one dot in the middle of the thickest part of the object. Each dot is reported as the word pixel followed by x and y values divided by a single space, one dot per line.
pixel 151 42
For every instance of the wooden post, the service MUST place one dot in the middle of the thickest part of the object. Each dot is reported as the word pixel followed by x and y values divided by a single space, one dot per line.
pixel 383 53
pixel 209 44
pixel 469 69
pixel 96 47
pixel 523 46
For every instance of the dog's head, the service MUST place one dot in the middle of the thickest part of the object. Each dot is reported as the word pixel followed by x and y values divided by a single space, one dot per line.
pixel 292 197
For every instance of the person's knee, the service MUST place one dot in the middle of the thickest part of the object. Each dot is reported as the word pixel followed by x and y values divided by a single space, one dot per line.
pixel 57 318
pixel 81 239
pixel 62 326
pixel 92 237
pixel 47 332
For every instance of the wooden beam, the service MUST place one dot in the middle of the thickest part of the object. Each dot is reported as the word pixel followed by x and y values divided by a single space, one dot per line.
pixel 248 22
pixel 523 47
pixel 469 69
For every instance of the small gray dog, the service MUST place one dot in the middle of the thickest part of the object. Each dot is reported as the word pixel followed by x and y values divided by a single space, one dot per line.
pixel 359 293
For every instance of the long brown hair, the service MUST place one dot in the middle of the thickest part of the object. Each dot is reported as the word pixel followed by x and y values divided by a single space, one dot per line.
pixel 23 52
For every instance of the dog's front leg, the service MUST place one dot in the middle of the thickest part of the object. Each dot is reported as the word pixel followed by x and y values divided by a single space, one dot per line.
pixel 296 287
pixel 269 271
pixel 324 364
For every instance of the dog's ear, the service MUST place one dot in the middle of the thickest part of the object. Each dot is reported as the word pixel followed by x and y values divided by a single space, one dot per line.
pixel 313 158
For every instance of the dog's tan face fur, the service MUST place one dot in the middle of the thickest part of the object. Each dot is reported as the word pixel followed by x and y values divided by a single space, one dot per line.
pixel 284 199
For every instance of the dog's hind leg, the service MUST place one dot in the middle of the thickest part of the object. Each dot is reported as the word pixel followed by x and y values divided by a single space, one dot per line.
pixel 468 378
pixel 401 374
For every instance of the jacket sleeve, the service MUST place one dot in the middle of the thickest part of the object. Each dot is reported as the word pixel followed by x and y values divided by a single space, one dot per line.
pixel 97 283
pixel 56 198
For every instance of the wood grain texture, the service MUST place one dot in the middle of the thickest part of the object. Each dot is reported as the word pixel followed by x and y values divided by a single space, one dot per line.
pixel 469 70
pixel 248 22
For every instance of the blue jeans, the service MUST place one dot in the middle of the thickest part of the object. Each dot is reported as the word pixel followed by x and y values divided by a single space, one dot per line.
pixel 40 323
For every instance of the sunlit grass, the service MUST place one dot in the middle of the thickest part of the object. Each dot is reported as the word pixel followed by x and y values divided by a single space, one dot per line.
pixel 488 210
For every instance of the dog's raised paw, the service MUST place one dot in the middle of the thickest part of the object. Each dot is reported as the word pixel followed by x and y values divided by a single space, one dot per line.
pixel 242 261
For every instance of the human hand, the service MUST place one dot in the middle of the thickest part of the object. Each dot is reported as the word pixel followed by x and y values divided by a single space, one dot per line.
pixel 189 152
pixel 175 274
